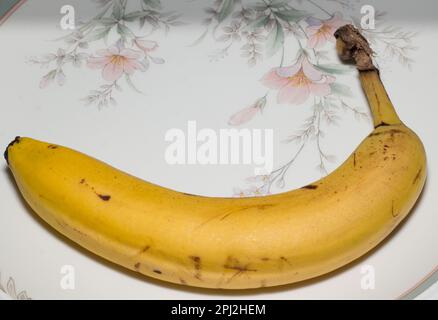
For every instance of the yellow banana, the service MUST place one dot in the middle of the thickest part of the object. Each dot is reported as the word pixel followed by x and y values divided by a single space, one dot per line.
pixel 231 243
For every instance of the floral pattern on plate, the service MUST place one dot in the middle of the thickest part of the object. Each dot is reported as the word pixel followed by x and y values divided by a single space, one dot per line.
pixel 268 27
pixel 10 289
pixel 126 52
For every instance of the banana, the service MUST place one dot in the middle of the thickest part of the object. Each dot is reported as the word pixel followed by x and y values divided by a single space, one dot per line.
pixel 233 243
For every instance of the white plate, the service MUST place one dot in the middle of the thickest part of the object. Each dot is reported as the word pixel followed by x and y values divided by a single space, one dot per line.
pixel 207 81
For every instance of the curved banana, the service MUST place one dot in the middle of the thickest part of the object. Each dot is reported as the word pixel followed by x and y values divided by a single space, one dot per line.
pixel 228 242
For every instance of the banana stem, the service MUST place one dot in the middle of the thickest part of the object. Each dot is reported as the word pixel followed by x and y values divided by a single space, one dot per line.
pixel 351 45
pixel 382 109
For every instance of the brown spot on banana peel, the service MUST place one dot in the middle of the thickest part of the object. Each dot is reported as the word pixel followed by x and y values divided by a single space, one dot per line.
pixel 284 259
pixel 240 268
pixel 382 124
pixel 104 197
pixel 385 132
pixel 182 281
pixel 238 273
pixel 223 216
pixel 146 248
pixel 234 264
pixel 310 187
pixel 417 176
pixel 393 212
pixel 188 194
pixel 137 266
pixel 52 147
pixel 157 271
pixel 196 261
pixel 354 159
pixel 197 265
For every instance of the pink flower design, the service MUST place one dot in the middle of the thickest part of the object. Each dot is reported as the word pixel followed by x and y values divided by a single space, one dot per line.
pixel 243 116
pixel 146 46
pixel 297 82
pixel 116 61
pixel 321 31
pixel 248 113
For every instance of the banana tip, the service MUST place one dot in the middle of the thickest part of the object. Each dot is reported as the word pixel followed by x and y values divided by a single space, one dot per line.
pixel 6 154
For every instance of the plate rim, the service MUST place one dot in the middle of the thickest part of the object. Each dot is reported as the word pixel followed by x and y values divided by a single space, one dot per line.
pixel 10 9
